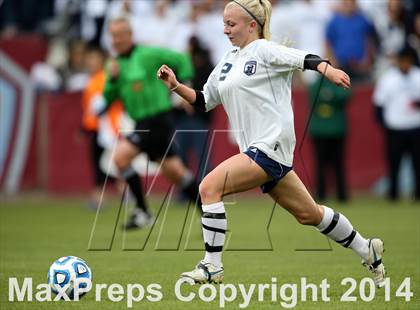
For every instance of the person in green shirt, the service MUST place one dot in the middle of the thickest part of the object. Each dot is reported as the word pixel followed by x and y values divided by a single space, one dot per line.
pixel 131 77
pixel 328 130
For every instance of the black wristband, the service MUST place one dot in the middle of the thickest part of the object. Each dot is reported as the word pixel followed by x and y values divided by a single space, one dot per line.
pixel 311 62
pixel 200 102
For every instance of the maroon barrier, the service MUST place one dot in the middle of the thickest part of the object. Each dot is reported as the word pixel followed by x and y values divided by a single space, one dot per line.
pixel 25 49
pixel 364 146
pixel 64 158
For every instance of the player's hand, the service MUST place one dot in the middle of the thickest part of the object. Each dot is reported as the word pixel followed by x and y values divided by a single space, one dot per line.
pixel 167 76
pixel 338 77
pixel 114 68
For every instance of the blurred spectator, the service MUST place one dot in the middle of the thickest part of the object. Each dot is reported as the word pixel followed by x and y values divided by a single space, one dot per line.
pixel 412 8
pixel 391 28
pixel 397 101
pixel 93 20
pixel 45 77
pixel 413 39
pixel 375 9
pixel 328 129
pixel 65 72
pixel 74 75
pixel 66 20
pixel 102 131
pixel 134 11
pixel 282 27
pixel 160 26
pixel 186 27
pixel 214 40
pixel 63 68
pixel 23 16
pixel 351 40
pixel 391 31
pixel 302 24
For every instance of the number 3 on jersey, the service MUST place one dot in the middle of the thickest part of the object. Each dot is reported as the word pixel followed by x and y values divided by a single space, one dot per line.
pixel 225 69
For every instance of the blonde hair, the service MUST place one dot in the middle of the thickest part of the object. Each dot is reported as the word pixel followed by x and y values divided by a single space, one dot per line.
pixel 258 10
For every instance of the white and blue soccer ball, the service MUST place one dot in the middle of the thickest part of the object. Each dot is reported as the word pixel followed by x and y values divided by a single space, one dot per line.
pixel 68 272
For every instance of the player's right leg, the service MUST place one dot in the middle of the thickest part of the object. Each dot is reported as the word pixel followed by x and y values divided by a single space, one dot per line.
pixel 125 152
pixel 291 194
pixel 236 174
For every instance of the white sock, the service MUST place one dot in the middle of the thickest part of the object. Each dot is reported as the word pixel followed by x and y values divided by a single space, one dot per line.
pixel 214 225
pixel 337 227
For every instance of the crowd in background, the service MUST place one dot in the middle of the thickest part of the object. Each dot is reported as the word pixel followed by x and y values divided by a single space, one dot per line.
pixel 360 36
pixel 363 37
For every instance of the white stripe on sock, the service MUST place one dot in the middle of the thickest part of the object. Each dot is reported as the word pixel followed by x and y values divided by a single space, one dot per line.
pixel 217 207
pixel 326 219
pixel 342 230
pixel 211 237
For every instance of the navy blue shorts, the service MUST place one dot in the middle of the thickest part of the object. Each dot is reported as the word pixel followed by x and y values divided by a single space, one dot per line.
pixel 274 169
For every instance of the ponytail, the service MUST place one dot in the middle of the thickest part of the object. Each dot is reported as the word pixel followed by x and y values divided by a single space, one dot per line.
pixel 258 10
pixel 267 17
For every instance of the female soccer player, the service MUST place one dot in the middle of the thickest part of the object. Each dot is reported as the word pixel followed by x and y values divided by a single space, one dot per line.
pixel 253 82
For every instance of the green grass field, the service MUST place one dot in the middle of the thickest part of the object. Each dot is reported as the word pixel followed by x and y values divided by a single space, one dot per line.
pixel 34 231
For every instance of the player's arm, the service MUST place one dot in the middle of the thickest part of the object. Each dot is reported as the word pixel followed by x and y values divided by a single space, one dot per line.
pixel 323 66
pixel 190 95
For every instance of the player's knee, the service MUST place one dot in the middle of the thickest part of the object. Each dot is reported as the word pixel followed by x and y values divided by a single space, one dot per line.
pixel 306 218
pixel 209 192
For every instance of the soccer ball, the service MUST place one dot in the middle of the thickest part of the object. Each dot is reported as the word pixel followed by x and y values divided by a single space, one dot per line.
pixel 65 270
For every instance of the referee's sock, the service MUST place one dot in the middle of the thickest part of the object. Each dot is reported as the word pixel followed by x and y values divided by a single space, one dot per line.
pixel 214 223
pixel 337 227
pixel 134 182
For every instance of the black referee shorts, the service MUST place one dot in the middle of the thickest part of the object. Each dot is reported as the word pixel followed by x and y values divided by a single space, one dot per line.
pixel 154 135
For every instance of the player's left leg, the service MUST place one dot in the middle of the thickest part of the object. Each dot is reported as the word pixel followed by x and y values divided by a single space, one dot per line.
pixel 291 194
pixel 236 174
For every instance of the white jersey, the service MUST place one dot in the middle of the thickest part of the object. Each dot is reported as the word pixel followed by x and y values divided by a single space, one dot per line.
pixel 254 85
pixel 395 92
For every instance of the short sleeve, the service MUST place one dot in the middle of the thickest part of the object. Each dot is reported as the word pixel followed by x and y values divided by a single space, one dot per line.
pixel 282 58
pixel 210 89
